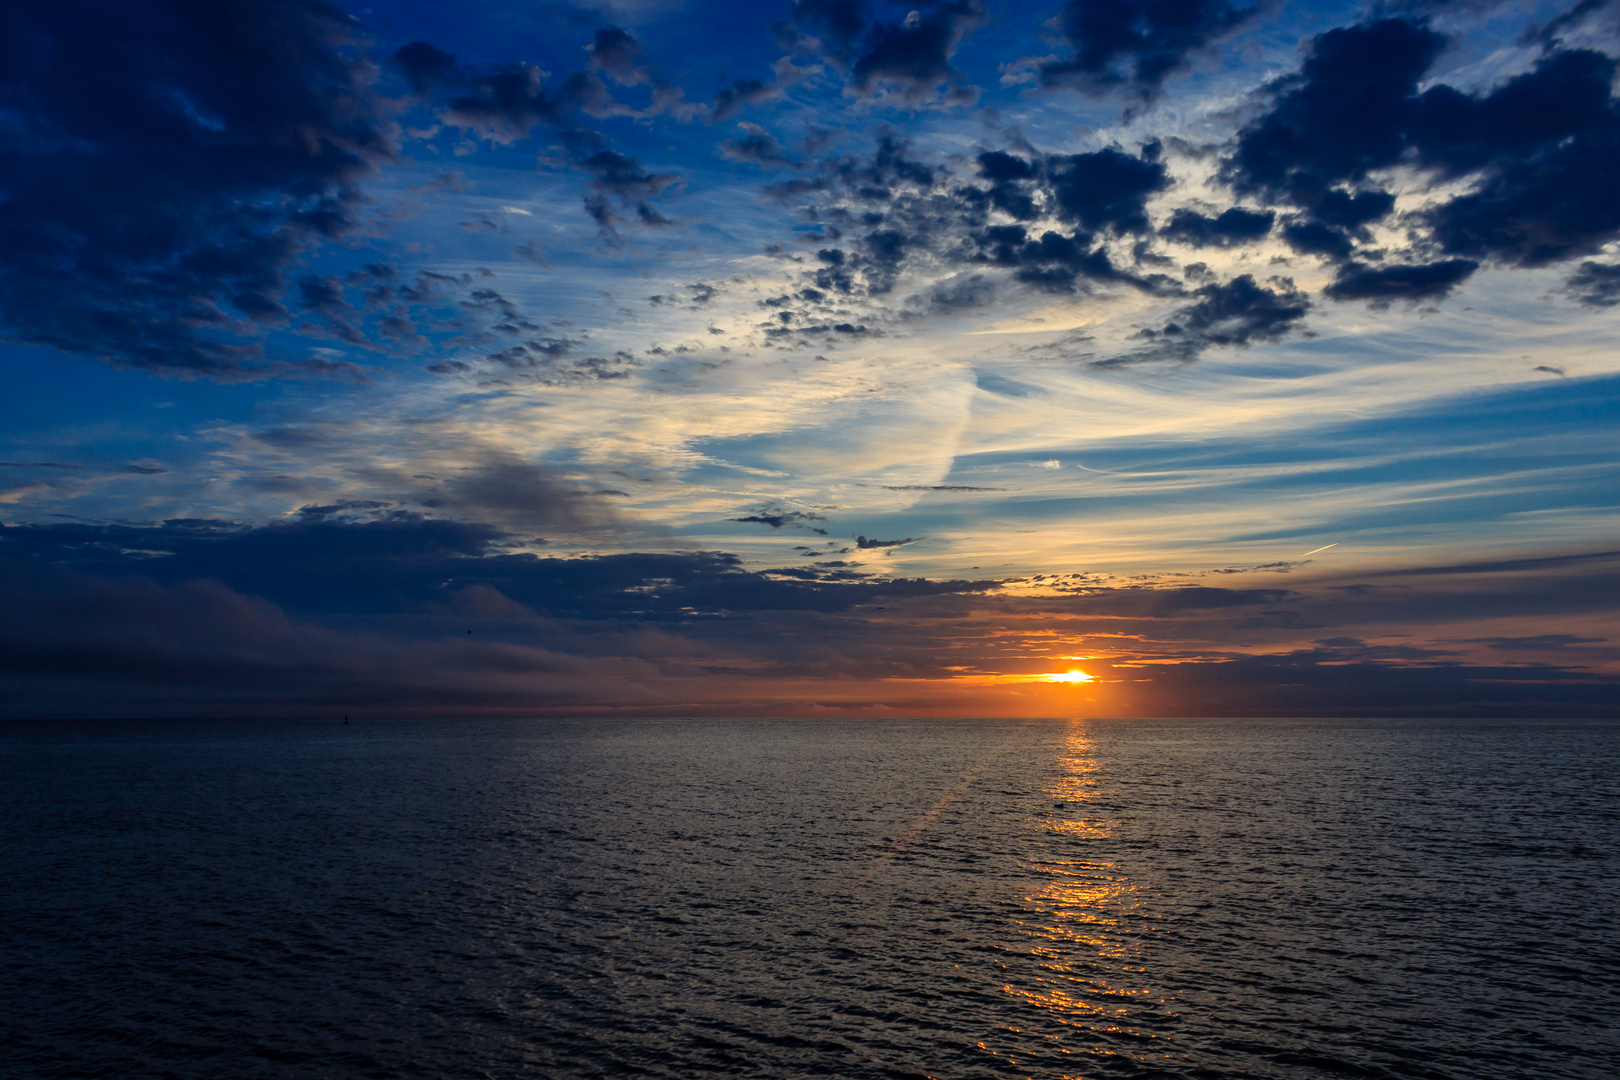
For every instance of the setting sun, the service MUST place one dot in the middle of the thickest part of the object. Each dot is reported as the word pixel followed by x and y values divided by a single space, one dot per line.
pixel 1068 677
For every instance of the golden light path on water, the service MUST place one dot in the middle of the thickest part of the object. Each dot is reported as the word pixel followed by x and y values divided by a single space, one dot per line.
pixel 1083 920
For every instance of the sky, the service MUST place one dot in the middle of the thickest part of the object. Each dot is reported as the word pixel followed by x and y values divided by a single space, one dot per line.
pixel 809 357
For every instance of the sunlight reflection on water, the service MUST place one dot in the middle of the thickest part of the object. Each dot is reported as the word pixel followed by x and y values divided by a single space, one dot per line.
pixel 1080 917
pixel 963 899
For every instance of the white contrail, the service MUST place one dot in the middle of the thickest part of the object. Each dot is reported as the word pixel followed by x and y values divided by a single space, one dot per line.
pixel 1313 551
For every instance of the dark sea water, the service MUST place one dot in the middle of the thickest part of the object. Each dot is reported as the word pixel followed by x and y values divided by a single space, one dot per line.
pixel 804 898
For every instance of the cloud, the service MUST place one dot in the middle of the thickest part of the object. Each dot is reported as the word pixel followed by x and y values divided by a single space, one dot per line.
pixel 1327 681
pixel 778 518
pixel 912 213
pixel 1230 228
pixel 1107 189
pixel 506 104
pixel 359 602
pixel 1544 142
pixel 910 58
pixel 1052 262
pixel 1537 642
pixel 162 167
pixel 756 145
pixel 1379 285
pixel 512 493
pixel 615 52
pixel 740 93
pixel 1537 148
pixel 937 487
pixel 337 560
pixel 1134 45
pixel 425 67
pixel 1234 313
pixel 864 544
pixel 1341 116
pixel 617 179
pixel 1595 284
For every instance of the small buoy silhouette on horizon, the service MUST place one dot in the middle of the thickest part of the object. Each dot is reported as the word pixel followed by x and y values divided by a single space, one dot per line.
pixel 345 718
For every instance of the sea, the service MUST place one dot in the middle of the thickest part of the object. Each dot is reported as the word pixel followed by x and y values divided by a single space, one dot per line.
pixel 810 898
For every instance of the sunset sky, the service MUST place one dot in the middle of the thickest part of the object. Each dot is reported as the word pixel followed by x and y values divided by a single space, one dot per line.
pixel 809 358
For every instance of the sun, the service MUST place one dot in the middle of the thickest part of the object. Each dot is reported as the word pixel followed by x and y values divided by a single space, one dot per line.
pixel 1073 675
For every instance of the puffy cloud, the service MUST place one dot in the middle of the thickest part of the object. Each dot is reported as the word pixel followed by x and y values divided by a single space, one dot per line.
pixel 1232 227
pixel 615 52
pixel 1538 146
pixel 1379 285
pixel 1234 313
pixel 1107 189
pixel 162 167
pixel 1134 45
pixel 506 104
pixel 617 179
pixel 756 145
pixel 910 58
pixel 740 93
pixel 425 67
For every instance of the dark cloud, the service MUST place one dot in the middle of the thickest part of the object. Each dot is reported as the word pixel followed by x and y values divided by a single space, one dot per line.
pixel 1051 262
pixel 1539 146
pixel 355 601
pixel 911 58
pixel 425 67
pixel 619 181
pixel 1339 117
pixel 864 544
pixel 740 93
pixel 914 56
pixel 961 293
pixel 1336 681
pixel 1559 25
pixel 841 22
pixel 552 361
pixel 1380 285
pixel 1595 284
pixel 937 487
pixel 327 563
pixel 161 166
pixel 1162 602
pixel 1593 562
pixel 1537 642
pixel 1229 228
pixel 1309 237
pixel 891 211
pixel 615 52
pixel 507 104
pixel 1107 189
pixel 998 165
pixel 776 519
pixel 1233 313
pixel 1136 44
pixel 1546 142
pixel 512 493
pixel 756 145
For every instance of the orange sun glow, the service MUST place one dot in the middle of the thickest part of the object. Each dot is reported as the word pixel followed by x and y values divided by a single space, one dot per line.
pixel 1071 676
